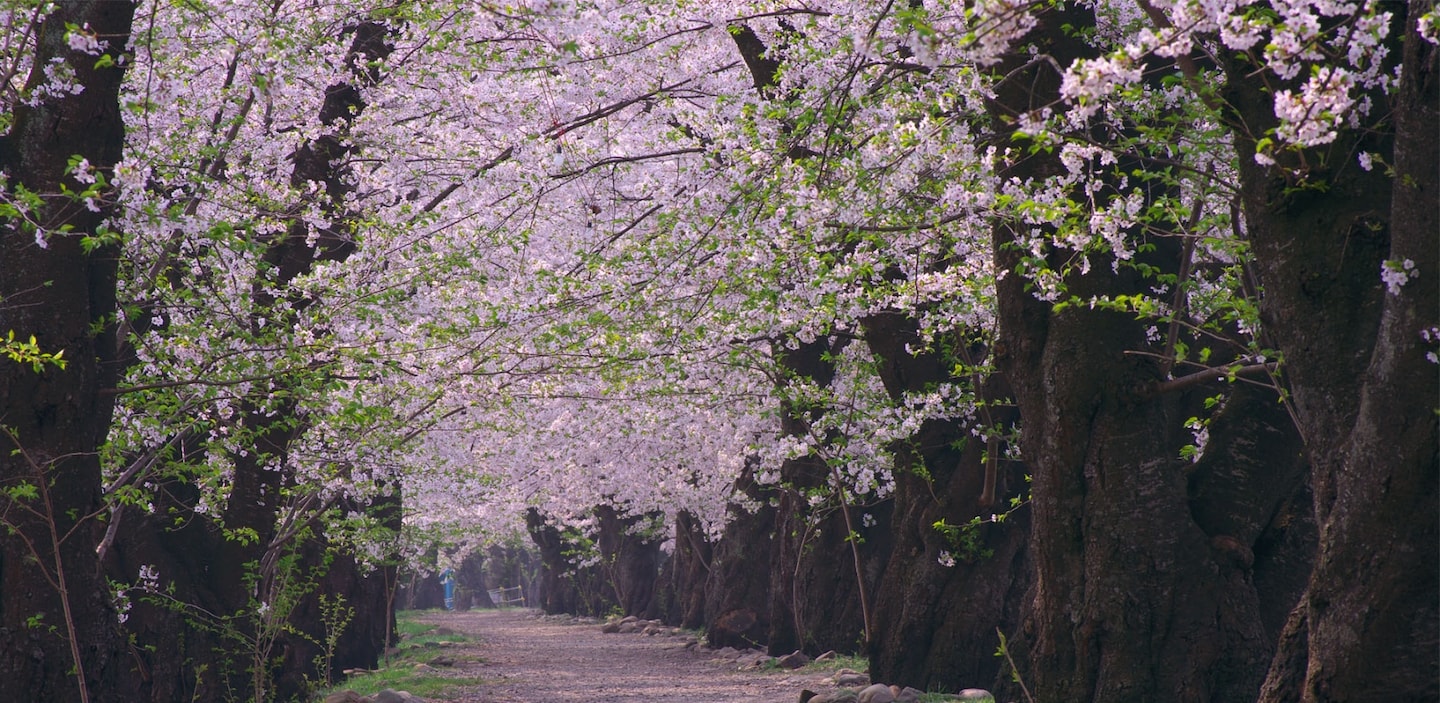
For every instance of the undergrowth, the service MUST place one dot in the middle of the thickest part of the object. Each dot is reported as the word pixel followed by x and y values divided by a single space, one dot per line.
pixel 404 668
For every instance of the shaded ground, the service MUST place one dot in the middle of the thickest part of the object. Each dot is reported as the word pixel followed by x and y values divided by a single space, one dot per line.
pixel 527 659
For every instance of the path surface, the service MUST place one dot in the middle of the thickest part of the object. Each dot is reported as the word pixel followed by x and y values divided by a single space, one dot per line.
pixel 532 660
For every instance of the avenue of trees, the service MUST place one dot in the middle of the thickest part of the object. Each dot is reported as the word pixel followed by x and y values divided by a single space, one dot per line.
pixel 1103 333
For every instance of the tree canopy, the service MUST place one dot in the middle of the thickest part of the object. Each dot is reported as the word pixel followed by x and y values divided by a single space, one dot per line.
pixel 487 259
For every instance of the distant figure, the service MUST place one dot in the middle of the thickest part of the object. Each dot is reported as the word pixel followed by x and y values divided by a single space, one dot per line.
pixel 447 577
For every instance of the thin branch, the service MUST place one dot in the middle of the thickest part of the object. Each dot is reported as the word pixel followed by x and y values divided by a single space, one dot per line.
pixel 188 382
pixel 1210 374
pixel 440 197
pixel 613 160
pixel 948 219
pixel 1179 306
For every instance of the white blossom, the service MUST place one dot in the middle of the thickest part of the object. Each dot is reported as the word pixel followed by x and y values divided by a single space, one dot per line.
pixel 1395 273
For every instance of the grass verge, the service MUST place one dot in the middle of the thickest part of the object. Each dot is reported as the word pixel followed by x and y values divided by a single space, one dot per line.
pixel 405 668
pixel 853 662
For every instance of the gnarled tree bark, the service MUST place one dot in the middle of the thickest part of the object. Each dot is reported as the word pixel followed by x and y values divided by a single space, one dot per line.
pixel 58 630
pixel 1363 392
pixel 1133 599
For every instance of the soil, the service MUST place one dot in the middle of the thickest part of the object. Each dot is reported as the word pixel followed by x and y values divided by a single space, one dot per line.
pixel 525 658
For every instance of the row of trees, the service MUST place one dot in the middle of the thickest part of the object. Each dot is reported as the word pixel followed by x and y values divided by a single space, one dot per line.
pixel 1108 329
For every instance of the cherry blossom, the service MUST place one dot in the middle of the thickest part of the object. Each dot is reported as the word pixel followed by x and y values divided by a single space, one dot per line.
pixel 580 232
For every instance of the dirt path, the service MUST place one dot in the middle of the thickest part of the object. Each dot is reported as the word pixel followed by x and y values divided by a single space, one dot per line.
pixel 533 660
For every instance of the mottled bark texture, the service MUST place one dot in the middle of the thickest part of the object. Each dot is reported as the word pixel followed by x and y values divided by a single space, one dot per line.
pixel 364 591
pixel 737 587
pixel 816 592
pixel 568 584
pixel 936 624
pixel 1135 599
pixel 1362 390
pixel 683 578
pixel 513 564
pixel 54 604
pixel 783 574
pixel 470 588
pixel 618 570
pixel 629 558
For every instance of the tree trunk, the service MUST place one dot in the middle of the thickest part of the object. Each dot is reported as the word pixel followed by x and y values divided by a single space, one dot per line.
pixel 1133 600
pixel 1250 493
pixel 815 592
pixel 737 591
pixel 1363 391
pixel 178 659
pixel 354 624
pixel 260 474
pixel 936 623
pixel 59 629
pixel 566 587
pixel 470 578
pixel 689 568
pixel 817 597
pixel 631 561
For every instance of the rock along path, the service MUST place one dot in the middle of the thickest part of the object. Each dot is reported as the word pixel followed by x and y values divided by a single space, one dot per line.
pixel 528 659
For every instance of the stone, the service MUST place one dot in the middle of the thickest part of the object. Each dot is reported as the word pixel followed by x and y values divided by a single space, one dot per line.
pixel 628 627
pixel 441 661
pixel 346 696
pixel 979 695
pixel 827 656
pixel 651 631
pixel 390 695
pixel 806 694
pixel 908 695
pixel 846 677
pixel 629 618
pixel 793 660
pixel 876 693
pixel 727 653
pixel 610 628
pixel 753 660
pixel 843 695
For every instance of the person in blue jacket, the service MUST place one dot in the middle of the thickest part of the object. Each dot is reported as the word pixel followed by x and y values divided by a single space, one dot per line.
pixel 447 577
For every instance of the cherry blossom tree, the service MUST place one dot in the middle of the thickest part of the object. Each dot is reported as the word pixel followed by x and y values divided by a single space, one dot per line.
pixel 787 274
pixel 1299 95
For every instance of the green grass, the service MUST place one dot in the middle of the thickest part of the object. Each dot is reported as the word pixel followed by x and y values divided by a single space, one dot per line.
pixel 407 626
pixel 426 685
pixel 418 644
pixel 937 698
pixel 853 662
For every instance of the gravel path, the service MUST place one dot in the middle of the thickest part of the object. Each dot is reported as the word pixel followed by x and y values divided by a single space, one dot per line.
pixel 529 659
